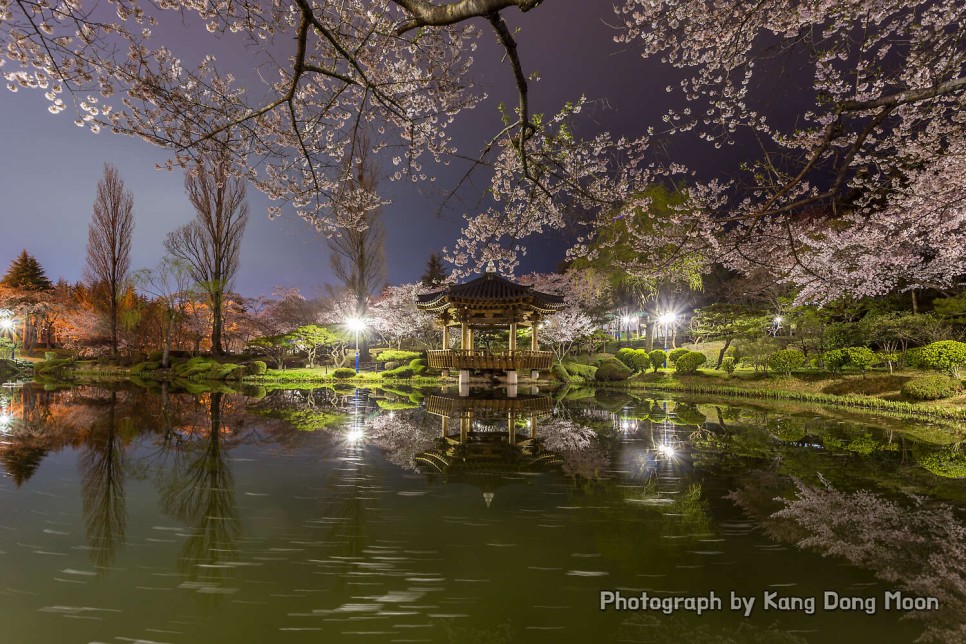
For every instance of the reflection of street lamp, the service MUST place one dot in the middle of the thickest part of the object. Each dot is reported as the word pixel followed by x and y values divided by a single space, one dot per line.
pixel 357 325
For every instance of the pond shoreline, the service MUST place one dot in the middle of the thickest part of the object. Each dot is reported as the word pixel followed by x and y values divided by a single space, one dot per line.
pixel 296 381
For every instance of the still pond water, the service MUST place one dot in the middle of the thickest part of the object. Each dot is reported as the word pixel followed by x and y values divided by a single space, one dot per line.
pixel 419 516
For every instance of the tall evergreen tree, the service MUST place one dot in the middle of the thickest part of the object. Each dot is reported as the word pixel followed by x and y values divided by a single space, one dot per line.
pixel 435 273
pixel 26 273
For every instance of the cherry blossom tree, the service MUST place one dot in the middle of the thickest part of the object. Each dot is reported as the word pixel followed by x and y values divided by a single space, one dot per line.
pixel 394 316
pixel 582 294
pixel 860 191
pixel 864 190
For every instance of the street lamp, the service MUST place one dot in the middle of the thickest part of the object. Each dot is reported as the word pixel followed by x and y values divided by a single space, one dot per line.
pixel 6 325
pixel 777 324
pixel 666 320
pixel 357 325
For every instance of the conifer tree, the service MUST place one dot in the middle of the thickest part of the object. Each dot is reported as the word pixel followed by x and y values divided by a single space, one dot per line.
pixel 435 272
pixel 26 273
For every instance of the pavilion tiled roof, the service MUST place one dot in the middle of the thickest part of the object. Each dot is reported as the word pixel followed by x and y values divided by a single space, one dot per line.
pixel 489 288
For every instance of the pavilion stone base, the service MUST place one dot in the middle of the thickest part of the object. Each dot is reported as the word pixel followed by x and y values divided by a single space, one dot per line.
pixel 444 373
pixel 511 378
pixel 511 391
pixel 464 377
pixel 534 375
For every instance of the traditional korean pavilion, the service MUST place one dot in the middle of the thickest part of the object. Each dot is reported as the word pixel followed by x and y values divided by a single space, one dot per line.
pixel 487 302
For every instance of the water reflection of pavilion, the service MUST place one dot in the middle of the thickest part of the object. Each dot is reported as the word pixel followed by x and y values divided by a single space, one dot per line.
pixel 483 439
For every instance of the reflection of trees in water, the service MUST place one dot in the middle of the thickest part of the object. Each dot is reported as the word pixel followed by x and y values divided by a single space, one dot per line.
pixel 917 545
pixel 199 490
pixel 102 467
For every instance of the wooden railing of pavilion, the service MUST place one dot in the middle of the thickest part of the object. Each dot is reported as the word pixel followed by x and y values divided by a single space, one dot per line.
pixel 518 360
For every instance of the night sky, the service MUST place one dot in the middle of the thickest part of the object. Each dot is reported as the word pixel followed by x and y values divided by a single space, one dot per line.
pixel 49 167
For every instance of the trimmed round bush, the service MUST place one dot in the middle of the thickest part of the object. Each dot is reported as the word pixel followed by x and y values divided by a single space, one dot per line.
pixel 946 355
pixel 625 355
pixel 585 371
pixel 640 360
pixel 394 355
pixel 401 372
pixel 344 372
pixel 931 387
pixel 786 361
pixel 257 368
pixel 559 372
pixel 729 364
pixel 674 354
pixel 835 359
pixel 689 362
pixel 612 371
pixel 861 357
pixel 658 358
pixel 419 366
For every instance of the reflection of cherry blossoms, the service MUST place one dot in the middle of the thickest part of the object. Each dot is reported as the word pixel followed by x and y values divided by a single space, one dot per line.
pixel 917 548
pixel 576 445
pixel 402 434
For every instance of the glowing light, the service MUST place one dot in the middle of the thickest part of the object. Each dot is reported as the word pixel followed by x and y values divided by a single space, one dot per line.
pixel 5 421
pixel 667 318
pixel 356 324
pixel 626 319
pixel 778 320
pixel 355 435
pixel 6 324
pixel 667 450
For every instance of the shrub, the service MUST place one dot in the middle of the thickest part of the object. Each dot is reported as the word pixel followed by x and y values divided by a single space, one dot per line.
pixel 861 357
pixel 728 364
pixel 945 355
pixel 689 362
pixel 155 356
pixel 658 358
pixel 835 359
pixel 560 372
pixel 395 355
pixel 611 371
pixel 674 354
pixel 640 360
pixel 146 366
pixel 257 368
pixel 400 372
pixel 624 355
pixel 343 373
pixel 418 366
pixel 786 361
pixel 930 387
pixel 585 371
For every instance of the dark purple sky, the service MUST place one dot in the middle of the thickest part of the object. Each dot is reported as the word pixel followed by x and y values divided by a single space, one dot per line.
pixel 49 167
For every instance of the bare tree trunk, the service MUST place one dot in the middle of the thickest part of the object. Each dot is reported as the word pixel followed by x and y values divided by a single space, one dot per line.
pixel 915 302
pixel 721 354
pixel 216 323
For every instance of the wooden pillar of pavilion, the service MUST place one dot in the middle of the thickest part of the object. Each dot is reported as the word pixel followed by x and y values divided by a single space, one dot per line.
pixel 534 343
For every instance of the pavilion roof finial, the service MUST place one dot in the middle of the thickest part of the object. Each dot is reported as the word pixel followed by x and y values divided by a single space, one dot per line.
pixel 490 267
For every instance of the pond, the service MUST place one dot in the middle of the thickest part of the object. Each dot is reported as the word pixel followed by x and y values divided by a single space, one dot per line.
pixel 399 515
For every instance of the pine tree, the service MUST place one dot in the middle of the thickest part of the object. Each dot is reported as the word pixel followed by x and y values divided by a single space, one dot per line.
pixel 26 273
pixel 435 273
